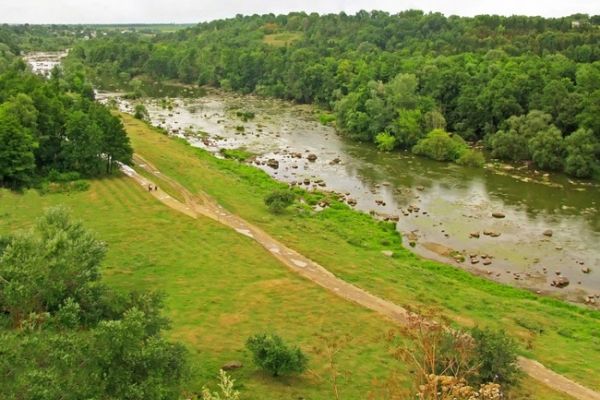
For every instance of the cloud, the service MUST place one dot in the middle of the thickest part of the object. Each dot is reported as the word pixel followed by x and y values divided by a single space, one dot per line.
pixel 137 11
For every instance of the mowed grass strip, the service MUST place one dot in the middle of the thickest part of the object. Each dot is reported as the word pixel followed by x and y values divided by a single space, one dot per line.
pixel 562 336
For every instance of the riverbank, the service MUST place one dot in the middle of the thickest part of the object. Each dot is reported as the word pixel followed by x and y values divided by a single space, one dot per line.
pixel 455 204
pixel 351 245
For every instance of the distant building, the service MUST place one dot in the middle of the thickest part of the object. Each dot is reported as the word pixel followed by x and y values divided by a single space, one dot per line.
pixel 575 24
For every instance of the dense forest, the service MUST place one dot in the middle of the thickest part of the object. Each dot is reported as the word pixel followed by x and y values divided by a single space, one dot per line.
pixel 52 127
pixel 528 87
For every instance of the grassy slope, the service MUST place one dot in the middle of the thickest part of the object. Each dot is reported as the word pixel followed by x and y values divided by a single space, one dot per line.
pixel 563 337
pixel 221 288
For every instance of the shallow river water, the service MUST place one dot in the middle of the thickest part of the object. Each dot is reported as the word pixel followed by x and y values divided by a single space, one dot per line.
pixel 551 226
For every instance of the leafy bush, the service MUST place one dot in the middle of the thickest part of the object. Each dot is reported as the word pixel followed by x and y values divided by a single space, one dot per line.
pixel 279 200
pixel 496 356
pixel 140 112
pixel 441 146
pixel 56 176
pixel 385 141
pixel 326 119
pixel 471 158
pixel 273 355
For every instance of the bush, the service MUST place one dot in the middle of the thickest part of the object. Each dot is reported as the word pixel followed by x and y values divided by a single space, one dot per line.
pixel 57 176
pixel 496 356
pixel 441 146
pixel 471 158
pixel 279 200
pixel 273 355
pixel 326 119
pixel 385 141
pixel 140 112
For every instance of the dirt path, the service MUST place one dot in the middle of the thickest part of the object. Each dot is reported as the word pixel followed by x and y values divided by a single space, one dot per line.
pixel 202 204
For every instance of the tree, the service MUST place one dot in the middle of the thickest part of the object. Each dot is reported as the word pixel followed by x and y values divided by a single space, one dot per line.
pixel 57 260
pixel 583 151
pixel 407 128
pixel 82 150
pixel 509 145
pixel 547 149
pixel 433 120
pixel 273 355
pixel 71 337
pixel 513 142
pixel 136 363
pixel 115 145
pixel 17 146
pixel 279 200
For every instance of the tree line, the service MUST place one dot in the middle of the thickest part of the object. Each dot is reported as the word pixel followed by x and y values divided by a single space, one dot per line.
pixel 392 79
pixel 49 127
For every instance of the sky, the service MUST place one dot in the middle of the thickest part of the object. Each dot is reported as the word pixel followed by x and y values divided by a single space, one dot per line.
pixel 189 11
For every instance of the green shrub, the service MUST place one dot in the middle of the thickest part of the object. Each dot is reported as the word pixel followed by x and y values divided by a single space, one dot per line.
pixel 140 112
pixel 385 141
pixel 471 158
pixel 441 146
pixel 56 176
pixel 326 119
pixel 496 356
pixel 279 200
pixel 273 355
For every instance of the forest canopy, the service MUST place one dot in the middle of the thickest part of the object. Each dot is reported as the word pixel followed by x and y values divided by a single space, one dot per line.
pixel 396 77
pixel 54 126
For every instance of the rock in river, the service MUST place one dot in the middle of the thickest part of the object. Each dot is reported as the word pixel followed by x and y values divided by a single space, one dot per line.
pixel 548 232
pixel 560 282
pixel 311 157
pixel 498 215
pixel 273 163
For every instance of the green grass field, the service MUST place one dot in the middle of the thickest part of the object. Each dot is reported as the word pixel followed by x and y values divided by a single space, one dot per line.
pixel 221 287
pixel 564 337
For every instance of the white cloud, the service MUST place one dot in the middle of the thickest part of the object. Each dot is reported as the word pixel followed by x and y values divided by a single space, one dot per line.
pixel 123 11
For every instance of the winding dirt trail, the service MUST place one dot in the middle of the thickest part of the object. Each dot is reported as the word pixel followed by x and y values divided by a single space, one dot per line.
pixel 202 204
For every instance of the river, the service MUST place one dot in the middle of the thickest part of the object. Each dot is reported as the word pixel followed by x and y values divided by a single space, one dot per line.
pixel 551 224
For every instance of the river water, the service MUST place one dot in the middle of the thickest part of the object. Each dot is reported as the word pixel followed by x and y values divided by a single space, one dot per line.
pixel 551 226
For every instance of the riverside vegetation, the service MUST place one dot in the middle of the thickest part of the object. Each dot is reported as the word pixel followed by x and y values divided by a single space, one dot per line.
pixel 74 320
pixel 204 299
pixel 528 87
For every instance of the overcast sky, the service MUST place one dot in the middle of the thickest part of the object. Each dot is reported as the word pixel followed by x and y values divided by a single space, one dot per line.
pixel 123 11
